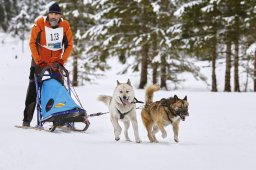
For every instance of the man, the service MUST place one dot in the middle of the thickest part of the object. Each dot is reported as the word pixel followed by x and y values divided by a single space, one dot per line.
pixel 50 42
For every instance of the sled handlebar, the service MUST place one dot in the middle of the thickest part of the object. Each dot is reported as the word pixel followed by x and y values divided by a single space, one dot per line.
pixel 58 67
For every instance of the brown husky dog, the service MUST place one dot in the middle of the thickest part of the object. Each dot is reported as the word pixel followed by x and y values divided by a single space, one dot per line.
pixel 157 115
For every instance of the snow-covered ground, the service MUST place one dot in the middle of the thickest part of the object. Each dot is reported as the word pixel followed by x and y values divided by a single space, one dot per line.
pixel 220 133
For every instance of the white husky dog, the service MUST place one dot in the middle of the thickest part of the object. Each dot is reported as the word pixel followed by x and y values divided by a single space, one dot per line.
pixel 122 107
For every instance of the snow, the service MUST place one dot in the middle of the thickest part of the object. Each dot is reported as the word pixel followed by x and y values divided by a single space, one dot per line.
pixel 215 1
pixel 219 134
pixel 102 29
pixel 108 40
pixel 137 40
pixel 21 14
pixel 175 29
pixel 208 8
pixel 229 20
pixel 156 7
pixel 78 35
pixel 181 9
pixel 251 50
pixel 87 1
pixel 75 13
pixel 137 1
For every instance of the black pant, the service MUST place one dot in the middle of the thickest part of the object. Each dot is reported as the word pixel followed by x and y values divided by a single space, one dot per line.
pixel 30 102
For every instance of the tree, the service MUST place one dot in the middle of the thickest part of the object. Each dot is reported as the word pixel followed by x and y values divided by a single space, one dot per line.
pixel 200 25
pixel 2 16
pixel 73 11
pixel 119 32
pixel 227 87
pixel 20 26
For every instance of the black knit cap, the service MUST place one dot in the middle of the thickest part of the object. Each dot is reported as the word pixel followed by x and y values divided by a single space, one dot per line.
pixel 55 8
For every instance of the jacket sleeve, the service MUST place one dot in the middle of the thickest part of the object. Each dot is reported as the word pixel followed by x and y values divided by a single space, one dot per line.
pixel 32 43
pixel 69 48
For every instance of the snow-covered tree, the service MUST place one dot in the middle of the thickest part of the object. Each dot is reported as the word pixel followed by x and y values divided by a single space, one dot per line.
pixel 78 15
pixel 20 26
pixel 139 29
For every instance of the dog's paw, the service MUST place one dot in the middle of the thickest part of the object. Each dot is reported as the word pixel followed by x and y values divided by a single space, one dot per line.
pixel 117 139
pixel 176 140
pixel 138 141
pixel 164 135
pixel 128 140
pixel 156 141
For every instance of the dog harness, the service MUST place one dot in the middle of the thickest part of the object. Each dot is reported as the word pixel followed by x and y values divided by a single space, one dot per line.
pixel 133 102
pixel 123 114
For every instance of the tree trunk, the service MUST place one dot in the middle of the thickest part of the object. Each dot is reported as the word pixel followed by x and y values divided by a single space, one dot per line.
pixel 154 73
pixel 22 45
pixel 254 71
pixel 144 66
pixel 154 44
pixel 247 73
pixel 236 65
pixel 75 71
pixel 163 72
pixel 227 87
pixel 155 64
pixel 214 57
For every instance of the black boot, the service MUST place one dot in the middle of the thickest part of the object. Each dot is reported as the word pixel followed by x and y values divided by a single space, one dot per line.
pixel 25 123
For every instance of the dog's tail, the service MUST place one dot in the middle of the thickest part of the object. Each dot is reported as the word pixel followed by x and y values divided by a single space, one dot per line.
pixel 105 99
pixel 149 93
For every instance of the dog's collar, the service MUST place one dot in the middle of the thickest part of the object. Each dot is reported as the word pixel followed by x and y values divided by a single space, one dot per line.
pixel 123 114
pixel 168 115
pixel 170 111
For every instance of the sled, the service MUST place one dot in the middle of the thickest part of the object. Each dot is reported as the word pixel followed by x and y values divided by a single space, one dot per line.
pixel 54 100
pixel 62 128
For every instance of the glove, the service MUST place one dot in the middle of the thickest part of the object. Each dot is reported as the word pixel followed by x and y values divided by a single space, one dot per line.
pixel 56 60
pixel 60 62
pixel 42 64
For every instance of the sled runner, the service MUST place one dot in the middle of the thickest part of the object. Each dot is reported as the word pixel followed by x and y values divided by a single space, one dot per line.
pixel 54 101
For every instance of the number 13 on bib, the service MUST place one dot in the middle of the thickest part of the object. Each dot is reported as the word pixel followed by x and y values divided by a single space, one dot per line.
pixel 54 38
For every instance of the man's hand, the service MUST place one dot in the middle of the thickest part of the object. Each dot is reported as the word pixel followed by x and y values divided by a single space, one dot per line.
pixel 56 64
pixel 42 64
pixel 56 60
pixel 60 62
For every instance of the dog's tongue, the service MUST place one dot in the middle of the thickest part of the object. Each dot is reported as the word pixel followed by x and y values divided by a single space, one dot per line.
pixel 125 101
pixel 183 117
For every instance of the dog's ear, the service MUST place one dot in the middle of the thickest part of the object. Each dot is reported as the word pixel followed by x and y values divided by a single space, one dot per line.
pixel 118 83
pixel 129 82
pixel 175 97
pixel 185 98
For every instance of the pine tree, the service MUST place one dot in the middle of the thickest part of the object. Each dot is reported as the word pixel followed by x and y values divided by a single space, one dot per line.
pixel 72 12
pixel 120 32
pixel 20 25
pixel 249 33
pixel 78 15
pixel 2 16
pixel 200 32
